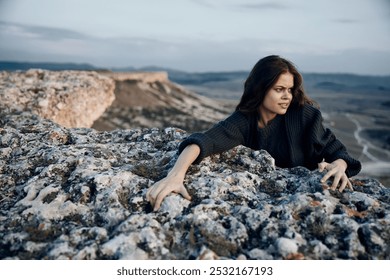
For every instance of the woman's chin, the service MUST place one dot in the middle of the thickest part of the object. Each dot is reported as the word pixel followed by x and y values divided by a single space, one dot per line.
pixel 282 111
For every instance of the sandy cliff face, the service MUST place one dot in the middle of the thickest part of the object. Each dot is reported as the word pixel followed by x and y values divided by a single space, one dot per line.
pixel 146 100
pixel 70 98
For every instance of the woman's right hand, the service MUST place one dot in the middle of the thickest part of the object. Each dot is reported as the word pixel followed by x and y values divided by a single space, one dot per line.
pixel 174 181
pixel 170 184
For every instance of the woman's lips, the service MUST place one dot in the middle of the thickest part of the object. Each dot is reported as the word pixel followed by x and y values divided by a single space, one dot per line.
pixel 284 105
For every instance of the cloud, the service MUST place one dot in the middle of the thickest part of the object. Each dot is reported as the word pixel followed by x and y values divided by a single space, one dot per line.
pixel 204 3
pixel 44 44
pixel 234 4
pixel 34 43
pixel 21 42
pixel 346 21
pixel 46 33
pixel 265 6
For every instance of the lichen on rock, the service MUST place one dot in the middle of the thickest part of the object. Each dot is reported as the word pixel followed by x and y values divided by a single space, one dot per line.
pixel 76 193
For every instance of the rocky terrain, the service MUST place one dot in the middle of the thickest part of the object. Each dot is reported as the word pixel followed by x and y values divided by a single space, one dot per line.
pixel 69 98
pixel 146 100
pixel 79 193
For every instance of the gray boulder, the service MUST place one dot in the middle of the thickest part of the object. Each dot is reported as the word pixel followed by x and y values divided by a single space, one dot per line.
pixel 76 193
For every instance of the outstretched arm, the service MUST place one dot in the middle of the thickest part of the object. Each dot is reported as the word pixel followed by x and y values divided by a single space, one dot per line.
pixel 223 136
pixel 174 180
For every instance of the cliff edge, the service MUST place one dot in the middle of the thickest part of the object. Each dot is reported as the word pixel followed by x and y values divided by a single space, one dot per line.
pixel 69 98
pixel 150 99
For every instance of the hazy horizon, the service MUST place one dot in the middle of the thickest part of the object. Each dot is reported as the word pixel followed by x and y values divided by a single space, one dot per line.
pixel 146 67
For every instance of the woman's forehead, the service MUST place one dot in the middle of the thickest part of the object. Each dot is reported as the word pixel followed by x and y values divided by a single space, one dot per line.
pixel 285 80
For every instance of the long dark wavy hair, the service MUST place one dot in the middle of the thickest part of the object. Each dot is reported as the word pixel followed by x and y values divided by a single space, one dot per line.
pixel 263 77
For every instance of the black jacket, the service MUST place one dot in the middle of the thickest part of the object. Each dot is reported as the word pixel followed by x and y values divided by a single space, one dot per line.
pixel 309 142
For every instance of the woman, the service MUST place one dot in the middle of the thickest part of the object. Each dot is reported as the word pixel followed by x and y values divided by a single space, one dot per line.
pixel 273 114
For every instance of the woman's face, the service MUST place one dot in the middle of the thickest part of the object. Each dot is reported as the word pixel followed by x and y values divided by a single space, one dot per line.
pixel 279 96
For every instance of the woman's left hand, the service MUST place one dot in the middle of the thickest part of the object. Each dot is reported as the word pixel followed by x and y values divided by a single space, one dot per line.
pixel 336 170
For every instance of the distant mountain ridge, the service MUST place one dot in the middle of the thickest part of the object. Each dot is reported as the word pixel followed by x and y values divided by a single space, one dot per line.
pixel 228 84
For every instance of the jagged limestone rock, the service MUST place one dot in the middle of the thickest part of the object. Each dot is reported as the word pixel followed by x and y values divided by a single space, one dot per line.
pixel 70 98
pixel 80 194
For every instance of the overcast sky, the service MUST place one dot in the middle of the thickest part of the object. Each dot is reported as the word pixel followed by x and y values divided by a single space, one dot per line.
pixel 200 35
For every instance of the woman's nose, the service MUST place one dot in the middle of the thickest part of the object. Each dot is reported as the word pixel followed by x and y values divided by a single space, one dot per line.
pixel 287 94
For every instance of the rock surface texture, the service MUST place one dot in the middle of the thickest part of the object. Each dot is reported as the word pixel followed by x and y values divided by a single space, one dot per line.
pixel 80 194
pixel 69 98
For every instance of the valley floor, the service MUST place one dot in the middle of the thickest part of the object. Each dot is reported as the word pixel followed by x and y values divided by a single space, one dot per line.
pixel 349 128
